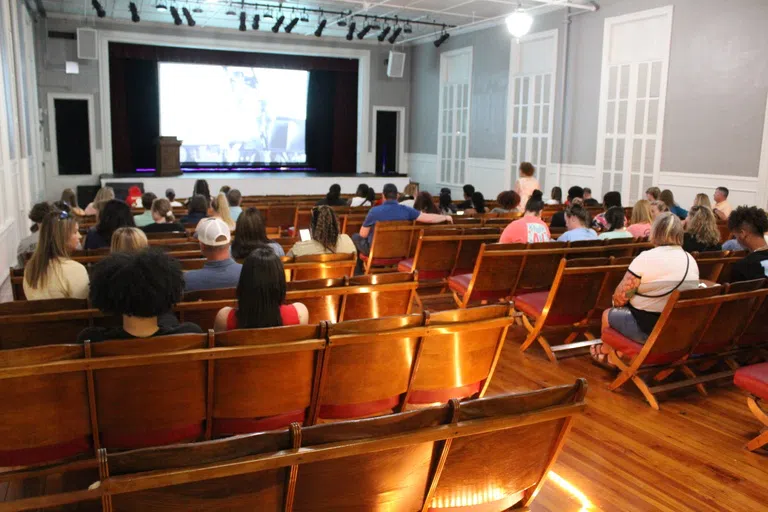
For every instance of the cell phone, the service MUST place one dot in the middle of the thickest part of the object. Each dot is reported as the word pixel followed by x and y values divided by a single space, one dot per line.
pixel 304 235
pixel 460 212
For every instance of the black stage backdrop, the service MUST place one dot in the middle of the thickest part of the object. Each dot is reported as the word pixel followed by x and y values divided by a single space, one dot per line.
pixel 331 129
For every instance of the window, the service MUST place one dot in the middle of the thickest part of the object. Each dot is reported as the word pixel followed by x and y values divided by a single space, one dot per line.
pixel 453 141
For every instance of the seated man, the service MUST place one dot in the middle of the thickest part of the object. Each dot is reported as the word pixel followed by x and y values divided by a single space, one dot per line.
pixel 467 204
pixel 574 193
pixel 220 271
pixel 722 209
pixel 748 225
pixel 588 199
pixel 145 219
pixel 234 197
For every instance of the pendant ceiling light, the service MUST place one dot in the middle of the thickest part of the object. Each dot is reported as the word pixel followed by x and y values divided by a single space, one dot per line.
pixel 519 23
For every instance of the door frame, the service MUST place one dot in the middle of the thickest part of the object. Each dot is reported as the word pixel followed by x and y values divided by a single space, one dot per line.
pixel 52 130
pixel 401 113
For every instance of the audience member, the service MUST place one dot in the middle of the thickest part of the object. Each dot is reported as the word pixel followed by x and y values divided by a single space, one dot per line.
pixel 371 197
pixel 702 200
pixel 197 209
pixel 220 206
pixel 104 194
pixel 409 194
pixel 616 224
pixel 115 214
pixel 668 199
pixel 749 225
pixel 234 198
pixel 128 240
pixel 333 197
pixel 425 203
pixel 468 191
pixel 652 277
pixel 701 233
pixel 653 194
pixel 28 244
pixel 142 287
pixel 250 233
pixel 70 199
pixel 170 195
pixel 326 238
pixel 220 270
pixel 558 219
pixel 526 183
pixel 508 202
pixel 361 197
pixel 164 221
pixel 722 208
pixel 445 202
pixel 577 220
pixel 478 205
pixel 555 197
pixel 201 188
pixel 657 208
pixel 225 189
pixel 530 228
pixel 50 273
pixel 145 218
pixel 588 199
pixel 133 199
pixel 610 200
pixel 642 219
pixel 261 294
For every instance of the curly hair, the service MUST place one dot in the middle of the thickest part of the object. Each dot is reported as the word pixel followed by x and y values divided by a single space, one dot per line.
pixel 527 169
pixel 508 200
pixel 701 223
pixel 324 227
pixel 143 284
pixel 750 218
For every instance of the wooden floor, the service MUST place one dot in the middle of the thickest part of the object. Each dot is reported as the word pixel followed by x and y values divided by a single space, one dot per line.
pixel 624 456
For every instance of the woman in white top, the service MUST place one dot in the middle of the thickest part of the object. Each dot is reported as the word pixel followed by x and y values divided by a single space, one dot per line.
pixel 652 277
pixel 526 184
pixel 50 273
pixel 555 197
pixel 409 194
pixel 362 197
pixel 326 239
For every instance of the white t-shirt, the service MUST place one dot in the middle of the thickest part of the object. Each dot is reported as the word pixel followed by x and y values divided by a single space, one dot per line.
pixel 660 270
pixel 359 201
pixel 408 202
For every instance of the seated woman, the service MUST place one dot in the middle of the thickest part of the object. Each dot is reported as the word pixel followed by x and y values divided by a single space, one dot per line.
pixel 615 229
pixel 333 197
pixel 445 202
pixel 668 198
pixel 68 196
pixel 115 214
pixel 657 208
pixel 361 197
pixel 128 240
pixel 577 220
pixel 141 287
pixel 610 200
pixel 261 296
pixel 197 209
pixel 326 239
pixel 530 228
pixel 221 210
pixel 50 273
pixel 702 200
pixel 425 203
pixel 555 197
pixel 642 218
pixel 28 244
pixel 749 225
pixel 250 233
pixel 409 194
pixel 162 215
pixel 508 201
pixel 701 233
pixel 652 277
pixel 104 194
pixel 478 205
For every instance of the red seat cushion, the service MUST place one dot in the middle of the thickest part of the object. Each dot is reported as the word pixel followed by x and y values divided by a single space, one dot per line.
pixel 753 379
pixel 431 396
pixel 532 304
pixel 407 266
pixel 49 453
pixel 626 346
pixel 382 262
pixel 460 284
pixel 359 410
pixel 149 438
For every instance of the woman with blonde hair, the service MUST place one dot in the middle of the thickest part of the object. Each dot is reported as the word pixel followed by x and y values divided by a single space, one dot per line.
pixel 642 218
pixel 702 200
pixel 51 273
pixel 162 215
pixel 221 210
pixel 68 196
pixel 102 196
pixel 657 208
pixel 701 233
pixel 128 240
pixel 409 194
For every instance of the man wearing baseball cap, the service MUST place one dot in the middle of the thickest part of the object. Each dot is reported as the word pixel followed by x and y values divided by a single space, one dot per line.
pixel 220 271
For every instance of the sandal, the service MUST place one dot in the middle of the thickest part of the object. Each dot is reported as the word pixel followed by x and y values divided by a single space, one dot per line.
pixel 599 358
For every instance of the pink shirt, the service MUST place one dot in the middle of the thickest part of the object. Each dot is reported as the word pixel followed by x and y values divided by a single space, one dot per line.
pixel 525 187
pixel 527 230
pixel 640 230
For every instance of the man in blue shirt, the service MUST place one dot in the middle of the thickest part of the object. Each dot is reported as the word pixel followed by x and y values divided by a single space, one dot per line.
pixel 220 271
pixel 388 211
pixel 233 198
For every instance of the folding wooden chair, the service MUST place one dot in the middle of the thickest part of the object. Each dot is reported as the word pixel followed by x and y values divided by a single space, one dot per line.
pixel 322 266
pixel 710 264
pixel 754 380
pixel 390 245
pixel 353 222
pixel 496 273
pixel 281 216
pixel 322 297
pixel 725 273
pixel 379 295
pixel 755 333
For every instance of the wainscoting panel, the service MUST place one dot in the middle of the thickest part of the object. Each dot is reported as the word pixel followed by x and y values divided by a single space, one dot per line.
pixel 685 186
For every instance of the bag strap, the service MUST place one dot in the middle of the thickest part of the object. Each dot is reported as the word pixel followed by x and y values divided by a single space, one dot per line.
pixel 687 267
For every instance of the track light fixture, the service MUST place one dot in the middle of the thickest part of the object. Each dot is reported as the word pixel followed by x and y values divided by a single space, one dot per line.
pixel 197 10
pixel 395 34
pixel 443 38
pixel 100 12
pixel 161 7
pixel 175 15
pixel 351 31
pixel 255 23
pixel 375 25
pixel 408 29
pixel 278 23
pixel 342 22
pixel 291 24
pixel 321 27
pixel 268 15
pixel 364 32
pixel 134 12
pixel 384 33
pixel 231 13
pixel 241 28
pixel 304 17
pixel 188 17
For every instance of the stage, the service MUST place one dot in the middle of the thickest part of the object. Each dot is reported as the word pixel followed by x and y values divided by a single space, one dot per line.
pixel 258 184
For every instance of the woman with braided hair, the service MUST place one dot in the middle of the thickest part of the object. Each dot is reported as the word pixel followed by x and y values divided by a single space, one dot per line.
pixel 326 236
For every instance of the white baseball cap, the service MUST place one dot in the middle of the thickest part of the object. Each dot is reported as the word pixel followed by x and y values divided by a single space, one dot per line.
pixel 213 232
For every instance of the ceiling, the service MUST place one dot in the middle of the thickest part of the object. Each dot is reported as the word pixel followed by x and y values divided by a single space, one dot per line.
pixel 214 12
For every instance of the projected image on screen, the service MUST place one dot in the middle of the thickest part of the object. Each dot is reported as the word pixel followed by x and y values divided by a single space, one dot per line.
pixel 234 115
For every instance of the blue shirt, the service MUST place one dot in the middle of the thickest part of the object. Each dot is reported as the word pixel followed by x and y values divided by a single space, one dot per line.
pixel 578 234
pixel 388 210
pixel 680 212
pixel 234 212
pixel 215 274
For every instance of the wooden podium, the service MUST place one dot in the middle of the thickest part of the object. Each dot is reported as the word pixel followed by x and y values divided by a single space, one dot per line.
pixel 168 163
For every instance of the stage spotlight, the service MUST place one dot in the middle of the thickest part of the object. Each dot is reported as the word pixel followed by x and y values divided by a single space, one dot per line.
pixel 351 31
pixel 384 33
pixel 443 38
pixel 395 35
pixel 408 29
pixel 134 12
pixel 241 28
pixel 100 12
pixel 268 15
pixel 255 24
pixel 188 17
pixel 320 28
pixel 342 22
pixel 175 15
pixel 197 10
pixel 276 27
pixel 305 17
pixel 364 32
pixel 161 7
pixel 291 24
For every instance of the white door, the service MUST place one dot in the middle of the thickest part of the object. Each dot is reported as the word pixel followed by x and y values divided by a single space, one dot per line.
pixel 453 137
pixel 632 99
pixel 530 106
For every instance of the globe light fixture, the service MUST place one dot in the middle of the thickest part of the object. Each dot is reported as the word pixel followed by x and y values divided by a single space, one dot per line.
pixel 519 23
